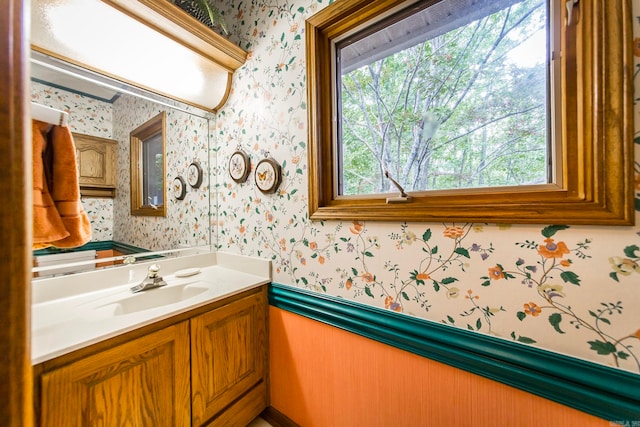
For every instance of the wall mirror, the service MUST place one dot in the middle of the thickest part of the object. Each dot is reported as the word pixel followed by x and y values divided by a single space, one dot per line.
pixel 108 109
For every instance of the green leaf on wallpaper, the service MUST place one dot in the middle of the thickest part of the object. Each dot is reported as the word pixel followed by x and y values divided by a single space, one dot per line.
pixel 521 315
pixel 434 250
pixel 369 254
pixel 555 320
pixel 354 271
pixel 301 9
pixel 524 340
pixel 571 277
pixel 478 324
pixel 282 37
pixel 297 37
pixel 426 235
pixel 448 280
pixel 451 320
pixel 622 355
pixel 405 296
pixel 486 283
pixel 304 280
pixel 614 276
pixel 630 251
pixel 602 347
pixel 436 286
pixel 367 290
pixel 636 139
pixel 463 252
pixel 553 229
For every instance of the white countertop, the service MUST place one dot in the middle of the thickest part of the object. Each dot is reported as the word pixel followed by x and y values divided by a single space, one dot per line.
pixel 72 312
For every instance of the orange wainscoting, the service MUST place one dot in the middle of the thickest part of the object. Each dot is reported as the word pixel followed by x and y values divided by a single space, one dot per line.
pixel 324 376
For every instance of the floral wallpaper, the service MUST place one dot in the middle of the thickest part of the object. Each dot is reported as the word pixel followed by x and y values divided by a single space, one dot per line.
pixel 569 289
pixel 187 221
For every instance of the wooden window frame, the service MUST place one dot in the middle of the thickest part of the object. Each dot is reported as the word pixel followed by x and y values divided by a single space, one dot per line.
pixel 596 121
pixel 142 133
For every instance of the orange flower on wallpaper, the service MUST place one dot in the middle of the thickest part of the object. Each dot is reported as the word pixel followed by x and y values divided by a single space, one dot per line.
pixel 367 277
pixel 313 246
pixel 348 284
pixel 388 302
pixel 496 273
pixel 553 250
pixel 321 259
pixel 637 334
pixel 636 46
pixel 453 232
pixel 532 309
pixel 422 276
pixel 357 227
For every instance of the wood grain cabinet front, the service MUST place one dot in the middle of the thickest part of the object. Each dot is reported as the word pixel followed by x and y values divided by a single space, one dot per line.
pixel 144 382
pixel 229 363
pixel 96 160
pixel 204 367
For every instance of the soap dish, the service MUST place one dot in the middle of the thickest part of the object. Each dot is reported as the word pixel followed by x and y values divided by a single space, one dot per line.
pixel 187 272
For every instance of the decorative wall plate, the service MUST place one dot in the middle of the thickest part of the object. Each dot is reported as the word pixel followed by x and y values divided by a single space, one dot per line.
pixel 194 174
pixel 179 188
pixel 268 175
pixel 239 166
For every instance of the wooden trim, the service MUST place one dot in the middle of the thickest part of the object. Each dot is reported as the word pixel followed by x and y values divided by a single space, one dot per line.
pixel 277 418
pixel 596 143
pixel 15 218
pixel 596 389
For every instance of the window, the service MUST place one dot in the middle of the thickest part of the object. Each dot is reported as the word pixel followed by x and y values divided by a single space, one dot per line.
pixel 460 108
pixel 148 168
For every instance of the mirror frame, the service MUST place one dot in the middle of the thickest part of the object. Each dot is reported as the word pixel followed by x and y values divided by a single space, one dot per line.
pixel 596 115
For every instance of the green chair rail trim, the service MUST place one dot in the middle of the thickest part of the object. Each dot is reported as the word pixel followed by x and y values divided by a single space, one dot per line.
pixel 605 392
pixel 98 246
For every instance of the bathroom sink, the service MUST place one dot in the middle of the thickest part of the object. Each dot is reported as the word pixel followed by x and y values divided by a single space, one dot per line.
pixel 154 298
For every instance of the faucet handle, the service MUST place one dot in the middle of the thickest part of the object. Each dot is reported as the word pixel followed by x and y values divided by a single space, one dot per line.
pixel 153 271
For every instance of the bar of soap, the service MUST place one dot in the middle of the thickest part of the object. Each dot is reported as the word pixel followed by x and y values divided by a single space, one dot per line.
pixel 187 272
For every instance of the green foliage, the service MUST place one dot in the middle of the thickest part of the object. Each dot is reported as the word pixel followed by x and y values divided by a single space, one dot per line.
pixel 452 112
pixel 555 320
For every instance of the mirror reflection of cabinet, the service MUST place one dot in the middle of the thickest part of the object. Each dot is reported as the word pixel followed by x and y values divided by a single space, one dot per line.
pixel 96 160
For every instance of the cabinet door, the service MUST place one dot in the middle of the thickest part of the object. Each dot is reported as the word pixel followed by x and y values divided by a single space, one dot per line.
pixel 96 158
pixel 228 359
pixel 144 382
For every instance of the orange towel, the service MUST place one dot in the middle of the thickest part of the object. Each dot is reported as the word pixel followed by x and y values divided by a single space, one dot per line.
pixel 64 189
pixel 47 224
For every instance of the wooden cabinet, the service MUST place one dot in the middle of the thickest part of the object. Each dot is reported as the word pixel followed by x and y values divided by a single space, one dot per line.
pixel 96 159
pixel 205 367
pixel 228 360
pixel 144 382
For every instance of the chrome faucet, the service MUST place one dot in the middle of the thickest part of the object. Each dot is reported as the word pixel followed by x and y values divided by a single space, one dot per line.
pixel 151 281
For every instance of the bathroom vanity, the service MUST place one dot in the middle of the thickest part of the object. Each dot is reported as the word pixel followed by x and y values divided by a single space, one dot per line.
pixel 191 353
